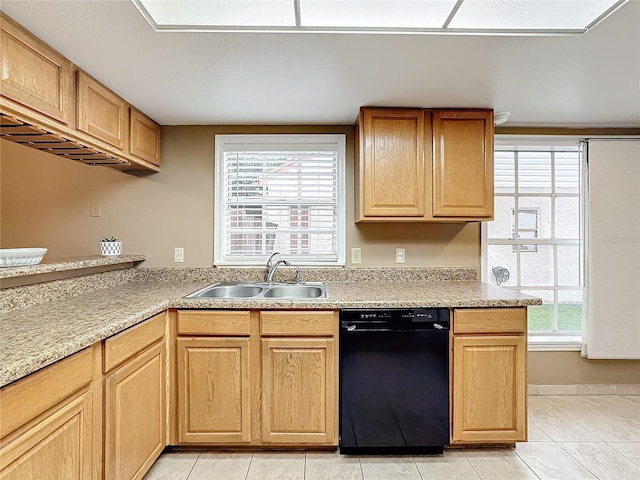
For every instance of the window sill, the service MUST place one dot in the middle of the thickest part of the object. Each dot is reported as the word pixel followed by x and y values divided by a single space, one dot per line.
pixel 559 343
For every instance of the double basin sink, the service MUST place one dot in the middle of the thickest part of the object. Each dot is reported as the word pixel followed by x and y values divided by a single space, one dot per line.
pixel 262 290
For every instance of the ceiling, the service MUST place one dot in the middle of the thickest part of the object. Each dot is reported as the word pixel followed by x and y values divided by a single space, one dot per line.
pixel 179 78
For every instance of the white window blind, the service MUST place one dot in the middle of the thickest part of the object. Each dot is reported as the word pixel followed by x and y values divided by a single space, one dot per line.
pixel 279 193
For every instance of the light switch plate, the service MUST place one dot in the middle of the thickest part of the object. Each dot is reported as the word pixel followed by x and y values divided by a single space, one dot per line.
pixel 95 209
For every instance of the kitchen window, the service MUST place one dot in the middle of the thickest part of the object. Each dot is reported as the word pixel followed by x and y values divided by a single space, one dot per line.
pixel 279 193
pixel 535 244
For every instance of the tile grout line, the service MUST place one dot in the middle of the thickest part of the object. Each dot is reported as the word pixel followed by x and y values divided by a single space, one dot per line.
pixel 624 456
pixel 470 463
pixel 249 467
pixel 416 465
pixel 514 450
pixel 600 439
pixel 578 461
pixel 576 422
pixel 194 465
pixel 360 463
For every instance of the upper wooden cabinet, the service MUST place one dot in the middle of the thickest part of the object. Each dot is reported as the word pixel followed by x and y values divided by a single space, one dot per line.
pixel 101 112
pixel 145 137
pixel 463 163
pixel 33 74
pixel 417 165
pixel 45 105
pixel 392 166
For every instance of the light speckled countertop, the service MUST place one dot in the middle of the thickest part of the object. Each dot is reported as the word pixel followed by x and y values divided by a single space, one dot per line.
pixel 34 337
pixel 67 264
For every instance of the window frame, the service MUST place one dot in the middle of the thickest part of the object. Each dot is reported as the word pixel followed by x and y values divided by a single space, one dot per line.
pixel 541 341
pixel 271 141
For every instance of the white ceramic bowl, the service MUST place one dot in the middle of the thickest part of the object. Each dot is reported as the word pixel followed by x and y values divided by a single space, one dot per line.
pixel 18 257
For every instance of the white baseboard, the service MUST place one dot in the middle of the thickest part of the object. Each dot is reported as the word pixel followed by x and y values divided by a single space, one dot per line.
pixel 595 389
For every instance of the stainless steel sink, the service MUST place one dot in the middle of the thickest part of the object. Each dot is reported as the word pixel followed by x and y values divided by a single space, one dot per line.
pixel 226 290
pixel 295 291
pixel 262 290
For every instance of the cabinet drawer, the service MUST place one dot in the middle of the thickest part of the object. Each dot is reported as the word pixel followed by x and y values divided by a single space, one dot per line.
pixel 303 323
pixel 221 322
pixel 125 345
pixel 490 320
pixel 25 399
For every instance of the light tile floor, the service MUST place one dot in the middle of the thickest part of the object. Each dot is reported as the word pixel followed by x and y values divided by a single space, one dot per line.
pixel 571 437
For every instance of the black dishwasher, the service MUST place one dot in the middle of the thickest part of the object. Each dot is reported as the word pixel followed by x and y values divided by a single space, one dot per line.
pixel 394 381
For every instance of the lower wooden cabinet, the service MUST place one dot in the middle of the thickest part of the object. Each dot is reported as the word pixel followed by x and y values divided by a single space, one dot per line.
pixel 60 446
pixel 298 391
pixel 488 390
pixel 256 377
pixel 214 390
pixel 50 421
pixel 135 398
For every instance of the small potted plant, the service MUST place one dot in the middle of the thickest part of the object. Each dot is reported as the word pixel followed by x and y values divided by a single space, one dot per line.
pixel 110 247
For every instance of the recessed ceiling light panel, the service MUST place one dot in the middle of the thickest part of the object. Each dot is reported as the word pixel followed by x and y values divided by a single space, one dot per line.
pixel 218 13
pixel 375 13
pixel 471 17
pixel 530 15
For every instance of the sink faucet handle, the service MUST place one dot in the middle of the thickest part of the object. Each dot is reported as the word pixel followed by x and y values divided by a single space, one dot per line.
pixel 297 274
pixel 272 267
pixel 271 258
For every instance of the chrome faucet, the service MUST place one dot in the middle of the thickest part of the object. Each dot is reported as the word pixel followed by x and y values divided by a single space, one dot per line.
pixel 272 267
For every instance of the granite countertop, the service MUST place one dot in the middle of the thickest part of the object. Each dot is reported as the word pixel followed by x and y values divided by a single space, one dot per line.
pixel 32 338
pixel 66 264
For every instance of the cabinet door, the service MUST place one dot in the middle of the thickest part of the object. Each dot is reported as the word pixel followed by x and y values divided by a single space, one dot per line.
pixel 34 74
pixel 463 163
pixel 101 113
pixel 489 389
pixel 214 403
pixel 391 163
pixel 298 391
pixel 135 399
pixel 144 137
pixel 60 446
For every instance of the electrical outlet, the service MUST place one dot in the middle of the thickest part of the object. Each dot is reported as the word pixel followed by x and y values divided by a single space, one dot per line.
pixel 178 255
pixel 356 255
pixel 95 209
pixel 400 256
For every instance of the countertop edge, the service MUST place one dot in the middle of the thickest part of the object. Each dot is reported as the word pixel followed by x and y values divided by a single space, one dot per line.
pixel 15 370
pixel 69 264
